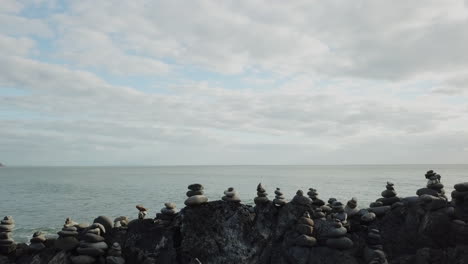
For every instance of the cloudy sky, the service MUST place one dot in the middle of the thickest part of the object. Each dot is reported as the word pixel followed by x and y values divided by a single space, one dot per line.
pixel 233 82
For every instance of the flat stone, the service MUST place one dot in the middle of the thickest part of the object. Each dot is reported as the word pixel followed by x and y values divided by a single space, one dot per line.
pixel 318 202
pixel 114 260
pixel 82 259
pixel 436 186
pixel 459 194
pixel 335 232
pixel 388 193
pixel 351 211
pixel 427 191
pixel 379 211
pixel 90 237
pixel 6 228
pixel 67 233
pixel 96 231
pixel 167 211
pixel 262 194
pixel 98 245
pixel 5 235
pixel 192 193
pixel 66 243
pixel 234 198
pixel 326 208
pixel 278 192
pixel 7 241
pixel 38 239
pixel 369 217
pixel 389 201
pixel 339 243
pixel 376 204
pixel 195 187
pixel 461 187
pixel 261 200
pixel 305 241
pixel 99 226
pixel 196 200
pixel 305 229
pixel 170 205
pixel 94 252
pixel 82 226
pixel 301 200
pixel 70 228
pixel 279 202
pixel 37 246
pixel 105 221
pixel 306 221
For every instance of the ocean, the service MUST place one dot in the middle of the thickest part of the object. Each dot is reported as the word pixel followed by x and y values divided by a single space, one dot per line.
pixel 41 198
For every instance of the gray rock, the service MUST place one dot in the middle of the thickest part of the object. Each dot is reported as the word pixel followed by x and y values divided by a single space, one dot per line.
pixel 114 260
pixel 89 251
pixel 6 228
pixel 192 193
pixel 380 211
pixel 299 198
pixel 196 200
pixel 170 205
pixel 97 245
pixel 195 187
pixel 90 237
pixel 37 246
pixel 305 241
pixel 67 233
pixel 66 243
pixel 461 187
pixel 105 221
pixel 82 259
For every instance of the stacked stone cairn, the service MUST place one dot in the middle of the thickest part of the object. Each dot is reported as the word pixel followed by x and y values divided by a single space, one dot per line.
pixel 460 200
pixel 168 213
pixel 7 244
pixel 37 241
pixel 142 211
pixel 351 208
pixel 261 195
pixel 389 196
pixel 91 246
pixel 114 255
pixel 279 198
pixel 373 253
pixel 305 227
pixel 230 195
pixel 367 217
pixel 195 195
pixel 68 237
pixel 327 208
pixel 299 198
pixel 339 213
pixel 336 236
pixel 434 187
pixel 319 214
pixel 313 195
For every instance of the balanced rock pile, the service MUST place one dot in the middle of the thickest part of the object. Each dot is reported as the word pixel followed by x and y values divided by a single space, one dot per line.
pixel 336 236
pixel 114 255
pixel 327 208
pixel 389 196
pixel 319 214
pixel 299 198
pixel 68 237
pixel 313 195
pixel 195 195
pixel 305 227
pixel 37 241
pixel 460 198
pixel 167 213
pixel 230 195
pixel 434 187
pixel 7 244
pixel 92 245
pixel 351 208
pixel 338 212
pixel 261 195
pixel 142 211
pixel 374 253
pixel 279 198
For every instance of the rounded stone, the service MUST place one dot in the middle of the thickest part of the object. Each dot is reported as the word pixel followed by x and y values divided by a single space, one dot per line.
pixel 258 200
pixel 82 226
pixel 82 259
pixel 436 186
pixel 70 228
pixel 95 252
pixel 389 200
pixel 98 245
pixel 318 202
pixel 66 243
pixel 195 187
pixel 7 241
pixel 37 246
pixel 376 204
pixel 379 211
pixel 305 229
pixel 336 232
pixel 105 221
pixel 101 228
pixel 234 198
pixel 68 233
pixel 6 228
pixel 306 221
pixel 305 241
pixel 90 237
pixel 388 193
pixel 167 211
pixel 340 243
pixel 170 205
pixel 115 260
pixel 459 194
pixel 279 202
pixel 461 187
pixel 5 235
pixel 428 191
pixel 196 200
pixel 96 231
pixel 192 193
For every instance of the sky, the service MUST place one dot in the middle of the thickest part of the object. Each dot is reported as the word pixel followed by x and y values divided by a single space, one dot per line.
pixel 233 82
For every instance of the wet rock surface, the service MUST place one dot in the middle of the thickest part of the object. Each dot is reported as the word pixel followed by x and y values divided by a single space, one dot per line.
pixel 428 228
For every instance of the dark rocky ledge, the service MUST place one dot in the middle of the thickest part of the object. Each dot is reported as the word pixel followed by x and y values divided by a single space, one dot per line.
pixel 427 228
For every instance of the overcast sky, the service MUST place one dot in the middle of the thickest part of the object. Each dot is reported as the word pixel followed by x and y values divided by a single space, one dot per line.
pixel 233 82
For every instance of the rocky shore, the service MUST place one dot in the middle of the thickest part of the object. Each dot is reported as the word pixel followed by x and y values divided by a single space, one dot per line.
pixel 430 227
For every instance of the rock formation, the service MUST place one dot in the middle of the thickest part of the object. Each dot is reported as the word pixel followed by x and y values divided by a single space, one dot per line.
pixel 279 198
pixel 389 196
pixel 336 236
pixel 114 255
pixel 261 195
pixel 373 253
pixel 351 208
pixel 121 222
pixel 230 195
pixel 305 228
pixel 434 187
pixel 167 213
pixel 460 201
pixel 338 212
pixel 68 237
pixel 7 244
pixel 92 245
pixel 195 195
pixel 299 198
pixel 313 195
pixel 37 241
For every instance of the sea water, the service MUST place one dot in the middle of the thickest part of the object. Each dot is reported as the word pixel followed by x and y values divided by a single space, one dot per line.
pixel 41 198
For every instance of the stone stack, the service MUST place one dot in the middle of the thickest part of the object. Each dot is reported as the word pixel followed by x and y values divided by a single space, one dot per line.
pixel 351 208
pixel 327 208
pixel 279 198
pixel 299 198
pixel 305 227
pixel 374 253
pixel 319 214
pixel 142 211
pixel 460 199
pixel 114 255
pixel 313 195
pixel 338 212
pixel 261 195
pixel 168 213
pixel 367 217
pixel 7 244
pixel 37 241
pixel 434 187
pixel 230 195
pixel 389 196
pixel 195 195
pixel 68 237
pixel 92 245
pixel 336 237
